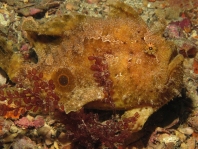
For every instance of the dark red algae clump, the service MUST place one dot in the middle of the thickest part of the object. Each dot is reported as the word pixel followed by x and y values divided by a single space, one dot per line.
pixel 36 96
pixel 102 77
pixel 87 132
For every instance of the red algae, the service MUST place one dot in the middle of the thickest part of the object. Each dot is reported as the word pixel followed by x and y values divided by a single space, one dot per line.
pixel 102 77
pixel 87 131
pixel 21 99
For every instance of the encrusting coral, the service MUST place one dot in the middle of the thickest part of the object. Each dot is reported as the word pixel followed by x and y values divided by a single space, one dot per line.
pixel 112 63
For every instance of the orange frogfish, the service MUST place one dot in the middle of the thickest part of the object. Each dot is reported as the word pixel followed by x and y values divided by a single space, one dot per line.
pixel 112 63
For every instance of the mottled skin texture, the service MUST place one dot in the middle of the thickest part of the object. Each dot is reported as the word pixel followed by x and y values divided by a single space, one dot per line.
pixel 144 70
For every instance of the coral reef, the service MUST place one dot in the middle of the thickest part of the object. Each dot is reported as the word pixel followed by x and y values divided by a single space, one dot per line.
pixel 71 80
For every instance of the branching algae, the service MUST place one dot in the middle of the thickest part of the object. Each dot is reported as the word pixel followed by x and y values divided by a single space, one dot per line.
pixel 112 63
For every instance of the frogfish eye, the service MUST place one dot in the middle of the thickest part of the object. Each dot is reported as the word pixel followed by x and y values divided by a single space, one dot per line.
pixel 64 80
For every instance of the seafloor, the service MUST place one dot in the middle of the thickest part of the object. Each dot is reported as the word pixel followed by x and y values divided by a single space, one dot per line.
pixel 173 126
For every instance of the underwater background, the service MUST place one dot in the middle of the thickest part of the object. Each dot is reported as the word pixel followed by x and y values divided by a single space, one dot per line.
pixel 98 74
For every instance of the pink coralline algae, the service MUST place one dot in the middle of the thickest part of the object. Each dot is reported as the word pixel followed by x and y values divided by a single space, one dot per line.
pixel 183 24
pixel 173 31
pixel 177 29
pixel 24 47
pixel 34 11
pixel 25 123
